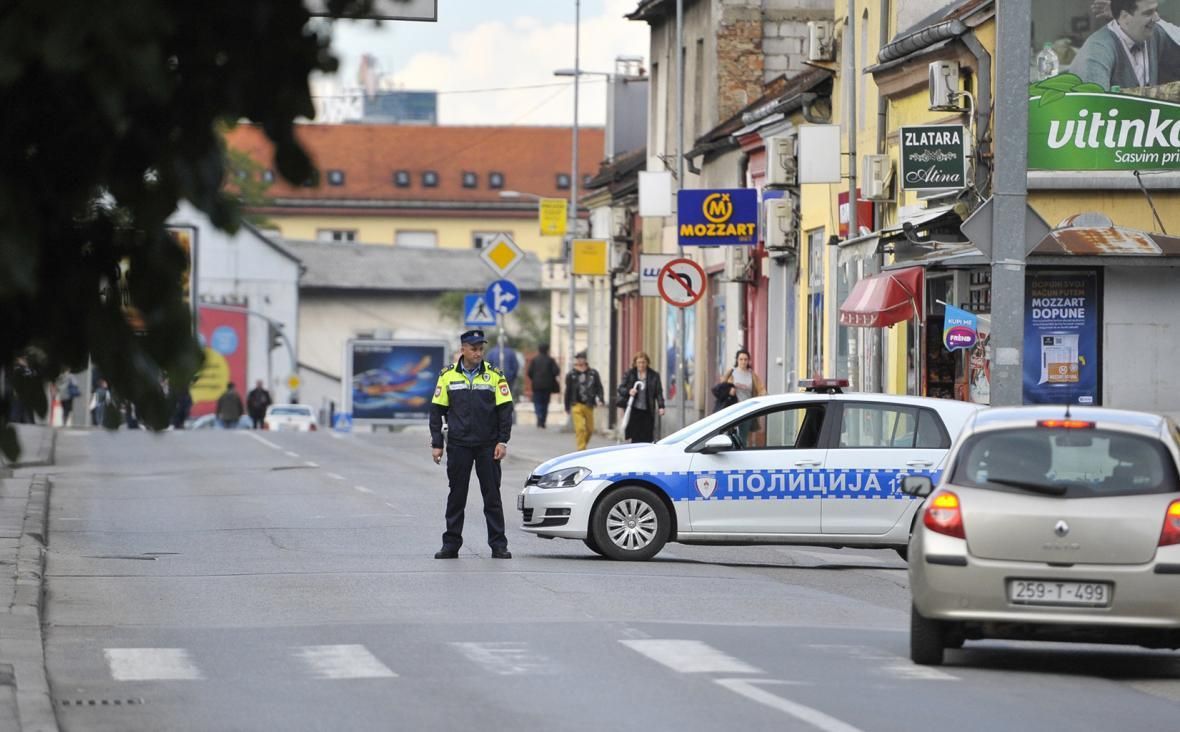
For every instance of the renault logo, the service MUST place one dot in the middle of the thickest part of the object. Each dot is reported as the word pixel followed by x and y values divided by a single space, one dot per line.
pixel 1061 529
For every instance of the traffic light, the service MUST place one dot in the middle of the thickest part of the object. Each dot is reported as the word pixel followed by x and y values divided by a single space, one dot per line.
pixel 274 335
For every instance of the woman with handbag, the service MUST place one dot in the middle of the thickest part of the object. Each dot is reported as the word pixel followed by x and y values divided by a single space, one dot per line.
pixel 642 387
pixel 743 384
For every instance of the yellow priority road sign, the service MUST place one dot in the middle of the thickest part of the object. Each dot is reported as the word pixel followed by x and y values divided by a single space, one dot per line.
pixel 553 214
pixel 501 254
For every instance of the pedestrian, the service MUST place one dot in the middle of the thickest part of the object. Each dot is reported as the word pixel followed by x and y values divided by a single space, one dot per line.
pixel 256 403
pixel 229 407
pixel 475 400
pixel 100 400
pixel 67 392
pixel 184 404
pixel 543 373
pixel 644 384
pixel 583 392
pixel 743 384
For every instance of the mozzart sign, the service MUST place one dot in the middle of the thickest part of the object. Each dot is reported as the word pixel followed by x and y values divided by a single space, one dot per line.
pixel 1078 126
pixel 933 156
pixel 706 218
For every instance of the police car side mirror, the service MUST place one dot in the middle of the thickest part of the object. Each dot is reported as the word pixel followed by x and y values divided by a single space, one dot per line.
pixel 717 443
pixel 918 486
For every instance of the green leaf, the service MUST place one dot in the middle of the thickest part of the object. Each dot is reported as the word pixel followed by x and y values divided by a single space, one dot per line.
pixel 1061 82
pixel 1088 87
pixel 1051 96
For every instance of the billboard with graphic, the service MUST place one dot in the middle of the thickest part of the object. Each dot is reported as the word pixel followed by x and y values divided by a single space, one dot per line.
pixel 391 381
pixel 223 337
pixel 712 217
pixel 1104 91
pixel 1061 337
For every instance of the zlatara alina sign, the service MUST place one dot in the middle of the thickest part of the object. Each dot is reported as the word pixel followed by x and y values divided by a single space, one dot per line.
pixel 1078 126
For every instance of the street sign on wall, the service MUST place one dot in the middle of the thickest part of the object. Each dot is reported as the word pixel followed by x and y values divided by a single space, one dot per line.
pixel 590 256
pixel 933 157
pixel 553 213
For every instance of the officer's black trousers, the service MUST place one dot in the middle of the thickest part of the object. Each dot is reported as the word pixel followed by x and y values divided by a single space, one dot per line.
pixel 460 458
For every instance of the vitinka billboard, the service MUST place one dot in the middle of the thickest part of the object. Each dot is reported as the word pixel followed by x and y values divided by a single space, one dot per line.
pixel 1105 90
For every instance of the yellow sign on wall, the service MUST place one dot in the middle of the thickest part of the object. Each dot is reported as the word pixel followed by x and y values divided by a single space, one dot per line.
pixel 590 256
pixel 553 214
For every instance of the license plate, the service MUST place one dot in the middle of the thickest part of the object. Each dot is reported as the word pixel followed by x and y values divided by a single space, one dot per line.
pixel 287 427
pixel 1050 592
pixel 520 502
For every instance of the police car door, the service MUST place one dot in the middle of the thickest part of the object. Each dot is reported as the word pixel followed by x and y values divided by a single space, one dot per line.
pixel 768 485
pixel 874 445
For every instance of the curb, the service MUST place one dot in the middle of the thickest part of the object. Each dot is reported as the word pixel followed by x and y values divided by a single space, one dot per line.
pixel 33 698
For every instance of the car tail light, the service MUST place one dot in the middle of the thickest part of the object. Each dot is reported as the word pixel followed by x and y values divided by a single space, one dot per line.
pixel 943 516
pixel 313 428
pixel 1171 533
pixel 1066 424
pixel 265 425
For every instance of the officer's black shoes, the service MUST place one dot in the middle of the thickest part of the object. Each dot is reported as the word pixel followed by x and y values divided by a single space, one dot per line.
pixel 501 554
pixel 445 553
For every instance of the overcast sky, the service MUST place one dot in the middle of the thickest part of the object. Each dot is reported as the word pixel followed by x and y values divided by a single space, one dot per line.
pixel 482 45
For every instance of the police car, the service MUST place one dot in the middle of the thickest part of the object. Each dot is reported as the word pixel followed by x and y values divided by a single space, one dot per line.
pixel 819 467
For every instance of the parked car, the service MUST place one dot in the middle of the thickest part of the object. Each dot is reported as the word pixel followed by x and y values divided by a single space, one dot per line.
pixel 210 422
pixel 819 467
pixel 1053 524
pixel 289 418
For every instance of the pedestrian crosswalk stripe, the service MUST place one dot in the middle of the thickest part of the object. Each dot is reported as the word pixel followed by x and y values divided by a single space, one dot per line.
pixel 690 656
pixel 505 658
pixel 151 664
pixel 343 662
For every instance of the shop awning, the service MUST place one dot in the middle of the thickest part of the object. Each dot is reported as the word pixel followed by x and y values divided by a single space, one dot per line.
pixel 884 299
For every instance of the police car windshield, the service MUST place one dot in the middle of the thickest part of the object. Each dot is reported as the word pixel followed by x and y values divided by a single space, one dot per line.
pixel 698 428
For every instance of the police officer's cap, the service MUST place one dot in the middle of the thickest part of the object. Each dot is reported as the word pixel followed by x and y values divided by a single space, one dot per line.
pixel 473 337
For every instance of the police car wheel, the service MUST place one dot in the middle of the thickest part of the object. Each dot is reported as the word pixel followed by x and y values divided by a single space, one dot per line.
pixel 630 524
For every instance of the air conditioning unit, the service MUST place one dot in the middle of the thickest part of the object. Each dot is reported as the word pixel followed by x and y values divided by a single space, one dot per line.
pixel 944 85
pixel 821 41
pixel 779 229
pixel 737 263
pixel 780 163
pixel 878 174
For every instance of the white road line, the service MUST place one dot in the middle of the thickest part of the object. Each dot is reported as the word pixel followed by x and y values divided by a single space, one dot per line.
pixel 310 464
pixel 337 435
pixel 335 476
pixel 361 488
pixel 506 658
pixel 343 662
pixel 151 664
pixel 690 656
pixel 263 440
pixel 888 663
pixel 749 689
pixel 291 454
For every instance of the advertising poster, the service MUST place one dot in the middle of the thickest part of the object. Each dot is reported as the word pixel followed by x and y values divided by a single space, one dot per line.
pixel 706 217
pixel 186 238
pixel 1061 330
pixel 979 364
pixel 1104 92
pixel 960 328
pixel 224 339
pixel 690 327
pixel 393 381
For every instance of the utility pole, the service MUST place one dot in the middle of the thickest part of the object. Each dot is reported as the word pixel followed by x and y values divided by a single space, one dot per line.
pixel 573 212
pixel 1009 199
pixel 680 335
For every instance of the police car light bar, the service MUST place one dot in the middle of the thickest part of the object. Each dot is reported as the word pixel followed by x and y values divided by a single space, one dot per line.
pixel 831 386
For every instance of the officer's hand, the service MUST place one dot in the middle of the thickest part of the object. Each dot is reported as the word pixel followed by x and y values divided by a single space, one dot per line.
pixel 501 451
pixel 436 453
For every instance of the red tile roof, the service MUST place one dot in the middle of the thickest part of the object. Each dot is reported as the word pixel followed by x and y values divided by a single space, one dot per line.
pixel 529 158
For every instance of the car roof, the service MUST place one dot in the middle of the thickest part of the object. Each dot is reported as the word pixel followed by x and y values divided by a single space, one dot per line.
pixel 858 396
pixel 1102 416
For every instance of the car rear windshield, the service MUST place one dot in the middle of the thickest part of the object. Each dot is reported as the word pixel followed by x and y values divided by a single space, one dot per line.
pixel 291 411
pixel 1068 462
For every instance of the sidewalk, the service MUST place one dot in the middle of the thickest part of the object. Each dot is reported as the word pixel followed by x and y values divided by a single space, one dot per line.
pixel 25 703
pixel 535 446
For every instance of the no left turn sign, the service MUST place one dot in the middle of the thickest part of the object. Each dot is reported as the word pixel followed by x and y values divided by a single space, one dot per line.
pixel 681 282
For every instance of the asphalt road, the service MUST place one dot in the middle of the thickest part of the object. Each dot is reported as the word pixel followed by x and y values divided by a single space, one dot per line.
pixel 261 581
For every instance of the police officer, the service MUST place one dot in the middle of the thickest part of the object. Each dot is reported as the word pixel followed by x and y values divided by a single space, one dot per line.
pixel 476 401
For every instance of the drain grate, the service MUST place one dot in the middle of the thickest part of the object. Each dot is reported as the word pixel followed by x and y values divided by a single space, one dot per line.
pixel 101 702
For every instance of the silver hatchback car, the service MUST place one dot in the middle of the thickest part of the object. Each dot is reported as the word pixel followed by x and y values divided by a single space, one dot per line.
pixel 1050 524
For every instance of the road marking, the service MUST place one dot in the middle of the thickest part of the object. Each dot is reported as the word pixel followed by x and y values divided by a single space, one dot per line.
pixel 690 656
pixel 263 440
pixel 889 663
pixel 505 659
pixel 336 435
pixel 343 662
pixel 291 454
pixel 749 689
pixel 151 664
pixel 362 489
pixel 335 476
pixel 310 464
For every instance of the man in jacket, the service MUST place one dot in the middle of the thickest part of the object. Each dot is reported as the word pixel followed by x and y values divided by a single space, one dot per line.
pixel 256 403
pixel 229 407
pixel 583 392
pixel 476 402
pixel 543 373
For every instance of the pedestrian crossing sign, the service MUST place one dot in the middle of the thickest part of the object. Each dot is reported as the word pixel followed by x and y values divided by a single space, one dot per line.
pixel 476 312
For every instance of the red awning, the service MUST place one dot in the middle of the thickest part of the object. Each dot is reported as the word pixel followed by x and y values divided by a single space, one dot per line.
pixel 884 299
